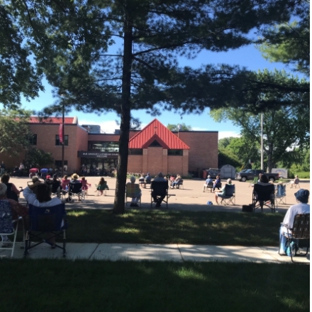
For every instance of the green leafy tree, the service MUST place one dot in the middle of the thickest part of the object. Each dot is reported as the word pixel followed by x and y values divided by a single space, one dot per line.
pixel 38 158
pixel 282 129
pixel 70 40
pixel 179 127
pixel 239 150
pixel 289 43
pixel 18 76
pixel 14 131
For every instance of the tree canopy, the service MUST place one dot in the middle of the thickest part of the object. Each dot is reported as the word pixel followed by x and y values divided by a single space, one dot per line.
pixel 18 75
pixel 283 130
pixel 14 131
pixel 289 42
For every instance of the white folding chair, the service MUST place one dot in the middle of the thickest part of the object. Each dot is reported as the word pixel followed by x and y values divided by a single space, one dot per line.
pixel 7 225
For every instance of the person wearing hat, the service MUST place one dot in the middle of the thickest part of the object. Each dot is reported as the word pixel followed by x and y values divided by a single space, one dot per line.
pixel 302 207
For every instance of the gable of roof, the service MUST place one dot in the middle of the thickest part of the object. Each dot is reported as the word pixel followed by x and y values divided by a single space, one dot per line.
pixel 156 131
pixel 53 120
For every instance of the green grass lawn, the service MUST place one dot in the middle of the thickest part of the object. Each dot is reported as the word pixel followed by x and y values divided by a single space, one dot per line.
pixel 167 227
pixel 62 285
pixel 82 285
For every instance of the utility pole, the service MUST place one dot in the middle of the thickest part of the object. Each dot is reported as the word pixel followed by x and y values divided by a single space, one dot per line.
pixel 261 127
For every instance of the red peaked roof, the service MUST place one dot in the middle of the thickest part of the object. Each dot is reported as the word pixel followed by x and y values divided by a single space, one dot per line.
pixel 53 120
pixel 156 131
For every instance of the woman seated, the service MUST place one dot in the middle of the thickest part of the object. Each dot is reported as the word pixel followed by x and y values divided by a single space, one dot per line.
pixel 133 190
pixel 39 194
pixel 102 186
pixel 176 181
pixel 294 181
pixel 222 191
pixel 12 192
pixel 217 183
pixel 85 185
pixel 65 183
pixel 55 185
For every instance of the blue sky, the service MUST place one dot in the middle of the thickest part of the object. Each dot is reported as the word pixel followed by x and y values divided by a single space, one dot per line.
pixel 248 57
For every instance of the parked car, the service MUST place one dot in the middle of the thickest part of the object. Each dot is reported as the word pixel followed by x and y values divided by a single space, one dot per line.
pixel 250 174
pixel 213 172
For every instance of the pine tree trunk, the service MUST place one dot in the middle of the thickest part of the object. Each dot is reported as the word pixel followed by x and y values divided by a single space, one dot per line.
pixel 125 116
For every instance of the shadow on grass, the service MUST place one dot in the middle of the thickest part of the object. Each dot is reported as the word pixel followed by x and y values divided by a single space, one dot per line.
pixel 53 285
pixel 168 227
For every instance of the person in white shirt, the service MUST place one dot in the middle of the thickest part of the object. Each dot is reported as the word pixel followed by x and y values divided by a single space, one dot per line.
pixel 302 196
pixel 39 195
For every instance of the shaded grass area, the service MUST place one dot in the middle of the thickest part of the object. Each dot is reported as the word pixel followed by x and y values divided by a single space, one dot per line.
pixel 167 227
pixel 58 285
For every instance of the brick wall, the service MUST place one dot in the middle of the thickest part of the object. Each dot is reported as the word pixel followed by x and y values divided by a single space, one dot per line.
pixel 203 151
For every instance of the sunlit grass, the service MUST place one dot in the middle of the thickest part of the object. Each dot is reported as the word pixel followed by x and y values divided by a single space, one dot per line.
pixel 167 227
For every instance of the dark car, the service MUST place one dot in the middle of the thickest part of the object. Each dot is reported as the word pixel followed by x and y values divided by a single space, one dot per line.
pixel 213 172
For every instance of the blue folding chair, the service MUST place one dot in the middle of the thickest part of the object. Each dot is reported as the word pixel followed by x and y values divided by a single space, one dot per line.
pixel 46 223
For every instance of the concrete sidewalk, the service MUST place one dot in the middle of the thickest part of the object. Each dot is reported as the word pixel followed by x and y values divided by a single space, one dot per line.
pixel 156 252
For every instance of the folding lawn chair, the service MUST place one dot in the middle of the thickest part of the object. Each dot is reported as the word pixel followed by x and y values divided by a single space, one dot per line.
pixel 46 223
pixel 208 186
pixel 229 195
pixel 7 224
pixel 133 191
pixel 263 195
pixel 159 189
pixel 298 232
pixel 280 195
pixel 75 189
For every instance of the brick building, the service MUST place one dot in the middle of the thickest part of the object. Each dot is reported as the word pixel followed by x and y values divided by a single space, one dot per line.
pixel 152 149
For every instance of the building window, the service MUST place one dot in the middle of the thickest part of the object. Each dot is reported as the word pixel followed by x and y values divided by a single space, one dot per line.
pixel 136 151
pixel 57 140
pixel 175 152
pixel 107 147
pixel 33 139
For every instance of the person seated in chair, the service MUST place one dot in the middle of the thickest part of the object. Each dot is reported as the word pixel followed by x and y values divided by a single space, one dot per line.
pixel 158 198
pixel 102 186
pixel 208 183
pixel 141 180
pixel 216 183
pixel 16 208
pixel 135 192
pixel 263 180
pixel 294 182
pixel 222 191
pixel 39 194
pixel 85 185
pixel 147 179
pixel 176 181
pixel 74 180
pixel 302 207
pixel 12 192
pixel 55 184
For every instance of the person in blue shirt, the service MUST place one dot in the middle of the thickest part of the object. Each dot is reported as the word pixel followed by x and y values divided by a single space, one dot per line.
pixel 217 183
